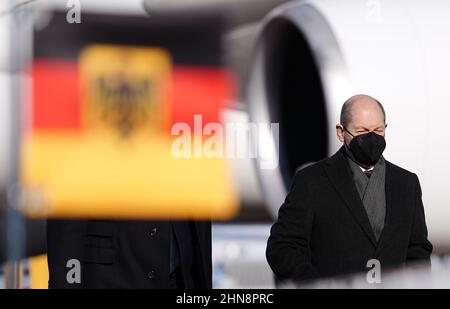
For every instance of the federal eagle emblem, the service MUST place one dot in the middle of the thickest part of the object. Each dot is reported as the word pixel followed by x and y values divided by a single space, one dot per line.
pixel 124 103
pixel 125 89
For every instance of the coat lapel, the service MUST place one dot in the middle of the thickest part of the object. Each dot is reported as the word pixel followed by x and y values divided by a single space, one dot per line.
pixel 340 176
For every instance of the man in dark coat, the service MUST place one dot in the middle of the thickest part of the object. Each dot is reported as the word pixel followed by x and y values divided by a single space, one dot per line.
pixel 129 254
pixel 351 208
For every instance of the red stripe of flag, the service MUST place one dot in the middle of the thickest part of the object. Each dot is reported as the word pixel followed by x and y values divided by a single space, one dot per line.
pixel 56 104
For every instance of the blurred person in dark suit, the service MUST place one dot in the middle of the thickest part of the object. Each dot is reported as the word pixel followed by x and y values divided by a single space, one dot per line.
pixel 350 208
pixel 130 254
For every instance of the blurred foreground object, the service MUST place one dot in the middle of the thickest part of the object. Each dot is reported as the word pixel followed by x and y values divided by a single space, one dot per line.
pixel 99 144
pixel 38 272
pixel 412 277
pixel 237 11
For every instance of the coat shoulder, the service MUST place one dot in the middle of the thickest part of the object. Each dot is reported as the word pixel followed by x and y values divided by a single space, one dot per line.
pixel 400 171
pixel 310 172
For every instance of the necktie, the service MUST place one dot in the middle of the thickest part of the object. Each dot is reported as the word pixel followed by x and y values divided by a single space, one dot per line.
pixel 368 173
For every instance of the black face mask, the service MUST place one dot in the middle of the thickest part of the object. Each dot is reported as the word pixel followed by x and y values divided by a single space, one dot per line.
pixel 367 148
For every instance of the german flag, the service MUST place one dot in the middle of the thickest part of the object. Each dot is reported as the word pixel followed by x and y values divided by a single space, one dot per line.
pixel 105 95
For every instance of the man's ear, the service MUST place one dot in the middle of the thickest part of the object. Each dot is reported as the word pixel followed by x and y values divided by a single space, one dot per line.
pixel 340 132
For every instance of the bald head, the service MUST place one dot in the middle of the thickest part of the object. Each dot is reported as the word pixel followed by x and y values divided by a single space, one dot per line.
pixel 362 107
pixel 359 115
